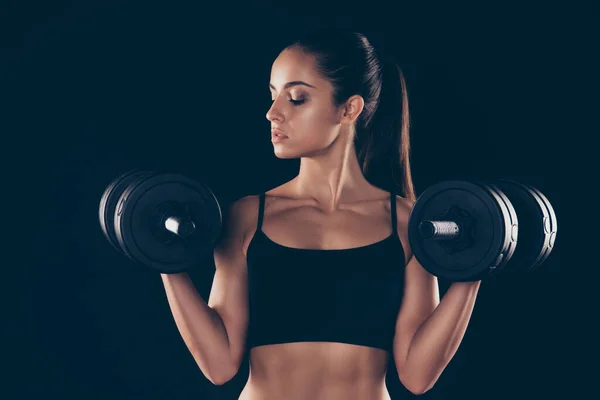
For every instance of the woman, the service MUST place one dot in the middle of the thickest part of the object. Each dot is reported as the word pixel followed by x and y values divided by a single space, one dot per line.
pixel 316 277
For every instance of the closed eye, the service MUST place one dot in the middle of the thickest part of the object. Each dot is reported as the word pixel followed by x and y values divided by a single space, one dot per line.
pixel 294 102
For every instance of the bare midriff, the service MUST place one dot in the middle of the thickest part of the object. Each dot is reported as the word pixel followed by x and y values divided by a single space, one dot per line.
pixel 316 371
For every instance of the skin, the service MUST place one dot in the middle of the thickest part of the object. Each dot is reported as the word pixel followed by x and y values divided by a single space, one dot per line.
pixel 332 206
pixel 328 205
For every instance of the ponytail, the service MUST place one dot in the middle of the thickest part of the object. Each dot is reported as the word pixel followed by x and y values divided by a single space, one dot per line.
pixel 383 143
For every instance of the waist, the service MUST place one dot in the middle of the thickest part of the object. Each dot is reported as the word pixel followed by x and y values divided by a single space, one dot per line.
pixel 318 370
pixel 357 390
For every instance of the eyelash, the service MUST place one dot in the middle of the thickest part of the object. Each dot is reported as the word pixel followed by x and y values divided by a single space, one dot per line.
pixel 294 102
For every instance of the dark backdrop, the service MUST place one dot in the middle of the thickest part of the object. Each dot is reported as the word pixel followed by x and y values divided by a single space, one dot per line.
pixel 98 89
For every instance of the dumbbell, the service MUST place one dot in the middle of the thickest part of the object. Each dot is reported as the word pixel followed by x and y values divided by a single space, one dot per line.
pixel 466 231
pixel 458 230
pixel 165 221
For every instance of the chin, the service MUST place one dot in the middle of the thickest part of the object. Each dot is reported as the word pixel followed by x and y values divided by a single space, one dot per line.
pixel 285 155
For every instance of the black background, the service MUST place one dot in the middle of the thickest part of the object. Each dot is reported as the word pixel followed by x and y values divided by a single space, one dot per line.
pixel 96 89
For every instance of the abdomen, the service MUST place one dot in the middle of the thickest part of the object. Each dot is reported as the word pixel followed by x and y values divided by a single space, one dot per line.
pixel 316 370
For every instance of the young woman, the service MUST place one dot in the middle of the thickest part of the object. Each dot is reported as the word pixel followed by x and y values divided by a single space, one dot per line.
pixel 316 277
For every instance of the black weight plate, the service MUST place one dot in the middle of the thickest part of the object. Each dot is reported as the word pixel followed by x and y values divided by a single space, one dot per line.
pixel 109 201
pixel 489 237
pixel 512 230
pixel 537 224
pixel 550 226
pixel 143 237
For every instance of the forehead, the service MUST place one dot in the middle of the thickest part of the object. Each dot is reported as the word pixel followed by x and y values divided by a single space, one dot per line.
pixel 295 65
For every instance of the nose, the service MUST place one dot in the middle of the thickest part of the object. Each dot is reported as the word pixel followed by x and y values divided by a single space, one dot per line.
pixel 274 113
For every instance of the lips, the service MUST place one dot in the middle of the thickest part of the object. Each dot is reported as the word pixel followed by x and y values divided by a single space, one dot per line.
pixel 276 133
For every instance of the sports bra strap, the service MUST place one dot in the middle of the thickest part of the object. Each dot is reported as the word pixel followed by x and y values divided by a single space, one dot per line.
pixel 260 211
pixel 393 207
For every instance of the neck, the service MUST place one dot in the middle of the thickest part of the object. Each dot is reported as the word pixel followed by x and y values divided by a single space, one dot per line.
pixel 332 177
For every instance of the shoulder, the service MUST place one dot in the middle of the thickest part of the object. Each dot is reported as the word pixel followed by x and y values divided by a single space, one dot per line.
pixel 404 202
pixel 243 211
pixel 247 207
pixel 244 204
pixel 239 223
pixel 404 207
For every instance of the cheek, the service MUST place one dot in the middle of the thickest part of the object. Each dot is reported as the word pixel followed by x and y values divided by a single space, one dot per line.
pixel 316 119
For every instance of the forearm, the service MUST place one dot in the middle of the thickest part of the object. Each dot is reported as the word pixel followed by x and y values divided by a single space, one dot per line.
pixel 438 338
pixel 200 326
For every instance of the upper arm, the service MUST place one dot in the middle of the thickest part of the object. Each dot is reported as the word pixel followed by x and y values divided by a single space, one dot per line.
pixel 229 291
pixel 421 292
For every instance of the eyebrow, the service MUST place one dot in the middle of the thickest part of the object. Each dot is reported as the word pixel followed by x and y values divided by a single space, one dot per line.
pixel 293 83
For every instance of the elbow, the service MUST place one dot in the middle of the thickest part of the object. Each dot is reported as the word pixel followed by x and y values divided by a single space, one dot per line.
pixel 417 381
pixel 417 390
pixel 417 387
pixel 219 373
pixel 221 378
pixel 218 381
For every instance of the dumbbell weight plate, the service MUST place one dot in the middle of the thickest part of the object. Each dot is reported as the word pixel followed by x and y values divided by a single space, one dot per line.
pixel 139 221
pixel 109 201
pixel 491 230
pixel 537 224
pixel 511 235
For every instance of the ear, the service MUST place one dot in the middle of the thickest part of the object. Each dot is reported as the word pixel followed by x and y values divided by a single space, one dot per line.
pixel 351 109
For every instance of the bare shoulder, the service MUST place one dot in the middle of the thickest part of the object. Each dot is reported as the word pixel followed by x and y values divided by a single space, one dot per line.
pixel 244 207
pixel 239 222
pixel 404 207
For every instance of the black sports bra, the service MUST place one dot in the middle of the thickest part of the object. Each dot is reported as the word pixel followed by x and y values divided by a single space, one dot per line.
pixel 311 295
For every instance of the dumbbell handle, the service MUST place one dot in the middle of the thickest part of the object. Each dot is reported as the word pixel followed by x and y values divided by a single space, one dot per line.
pixel 439 230
pixel 182 227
